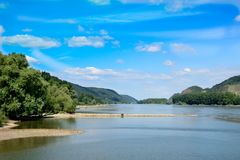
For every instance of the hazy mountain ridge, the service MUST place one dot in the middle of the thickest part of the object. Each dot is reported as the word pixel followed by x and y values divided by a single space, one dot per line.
pixel 105 95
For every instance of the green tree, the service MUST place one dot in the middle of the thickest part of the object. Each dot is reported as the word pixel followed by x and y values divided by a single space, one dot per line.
pixel 25 92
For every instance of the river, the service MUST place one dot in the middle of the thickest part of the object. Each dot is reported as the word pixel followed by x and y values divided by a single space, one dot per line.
pixel 213 134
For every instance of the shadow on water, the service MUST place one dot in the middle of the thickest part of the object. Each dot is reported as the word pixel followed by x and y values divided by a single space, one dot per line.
pixel 229 118
pixel 25 143
pixel 47 123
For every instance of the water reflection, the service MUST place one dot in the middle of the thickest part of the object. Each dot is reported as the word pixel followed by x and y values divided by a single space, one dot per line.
pixel 47 123
pixel 25 143
pixel 230 118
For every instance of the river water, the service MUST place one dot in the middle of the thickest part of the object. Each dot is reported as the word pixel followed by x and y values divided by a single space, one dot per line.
pixel 214 134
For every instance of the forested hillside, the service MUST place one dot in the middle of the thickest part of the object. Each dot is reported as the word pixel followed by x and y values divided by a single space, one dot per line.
pixel 225 93
pixel 102 95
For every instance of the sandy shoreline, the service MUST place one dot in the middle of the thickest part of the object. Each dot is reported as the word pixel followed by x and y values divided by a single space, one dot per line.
pixel 10 124
pixel 99 115
pixel 7 134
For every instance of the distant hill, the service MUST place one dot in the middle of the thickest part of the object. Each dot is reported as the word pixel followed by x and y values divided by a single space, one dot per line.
pixel 93 95
pixel 129 99
pixel 231 85
pixel 105 95
pixel 226 92
pixel 193 89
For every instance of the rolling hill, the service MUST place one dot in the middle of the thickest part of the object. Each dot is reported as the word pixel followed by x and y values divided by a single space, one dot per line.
pixel 105 95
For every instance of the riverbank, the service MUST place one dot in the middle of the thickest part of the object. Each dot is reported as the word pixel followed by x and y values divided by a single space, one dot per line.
pixel 100 115
pixel 9 124
pixel 7 134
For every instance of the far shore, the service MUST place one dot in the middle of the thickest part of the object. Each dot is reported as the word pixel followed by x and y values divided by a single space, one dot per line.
pixel 116 115
pixel 92 106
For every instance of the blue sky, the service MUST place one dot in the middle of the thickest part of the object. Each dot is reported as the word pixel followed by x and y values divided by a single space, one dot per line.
pixel 144 48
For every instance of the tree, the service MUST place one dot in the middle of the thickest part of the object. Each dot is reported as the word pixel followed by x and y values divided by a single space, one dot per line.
pixel 86 99
pixel 26 92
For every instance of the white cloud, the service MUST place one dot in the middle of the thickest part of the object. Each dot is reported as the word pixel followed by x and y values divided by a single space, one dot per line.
pixel 1 32
pixel 3 5
pixel 168 63
pixel 100 2
pixel 129 17
pixel 151 48
pixel 90 71
pixel 112 75
pixel 103 32
pixel 182 48
pixel 1 29
pixel 191 72
pixel 116 43
pixel 30 41
pixel 187 70
pixel 91 78
pixel 81 41
pixel 237 18
pixel 48 61
pixel 81 28
pixel 178 5
pixel 42 20
pixel 98 41
pixel 170 5
pixel 107 37
pixel 26 30
pixel 31 59
pixel 212 33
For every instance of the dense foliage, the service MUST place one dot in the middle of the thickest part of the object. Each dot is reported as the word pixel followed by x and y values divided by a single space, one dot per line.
pixel 2 118
pixel 154 101
pixel 86 99
pixel 207 98
pixel 25 92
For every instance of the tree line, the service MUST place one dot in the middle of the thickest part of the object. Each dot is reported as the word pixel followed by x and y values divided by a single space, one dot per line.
pixel 153 101
pixel 207 98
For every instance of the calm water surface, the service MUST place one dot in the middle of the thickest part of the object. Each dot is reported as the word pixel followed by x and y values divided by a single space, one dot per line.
pixel 213 135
